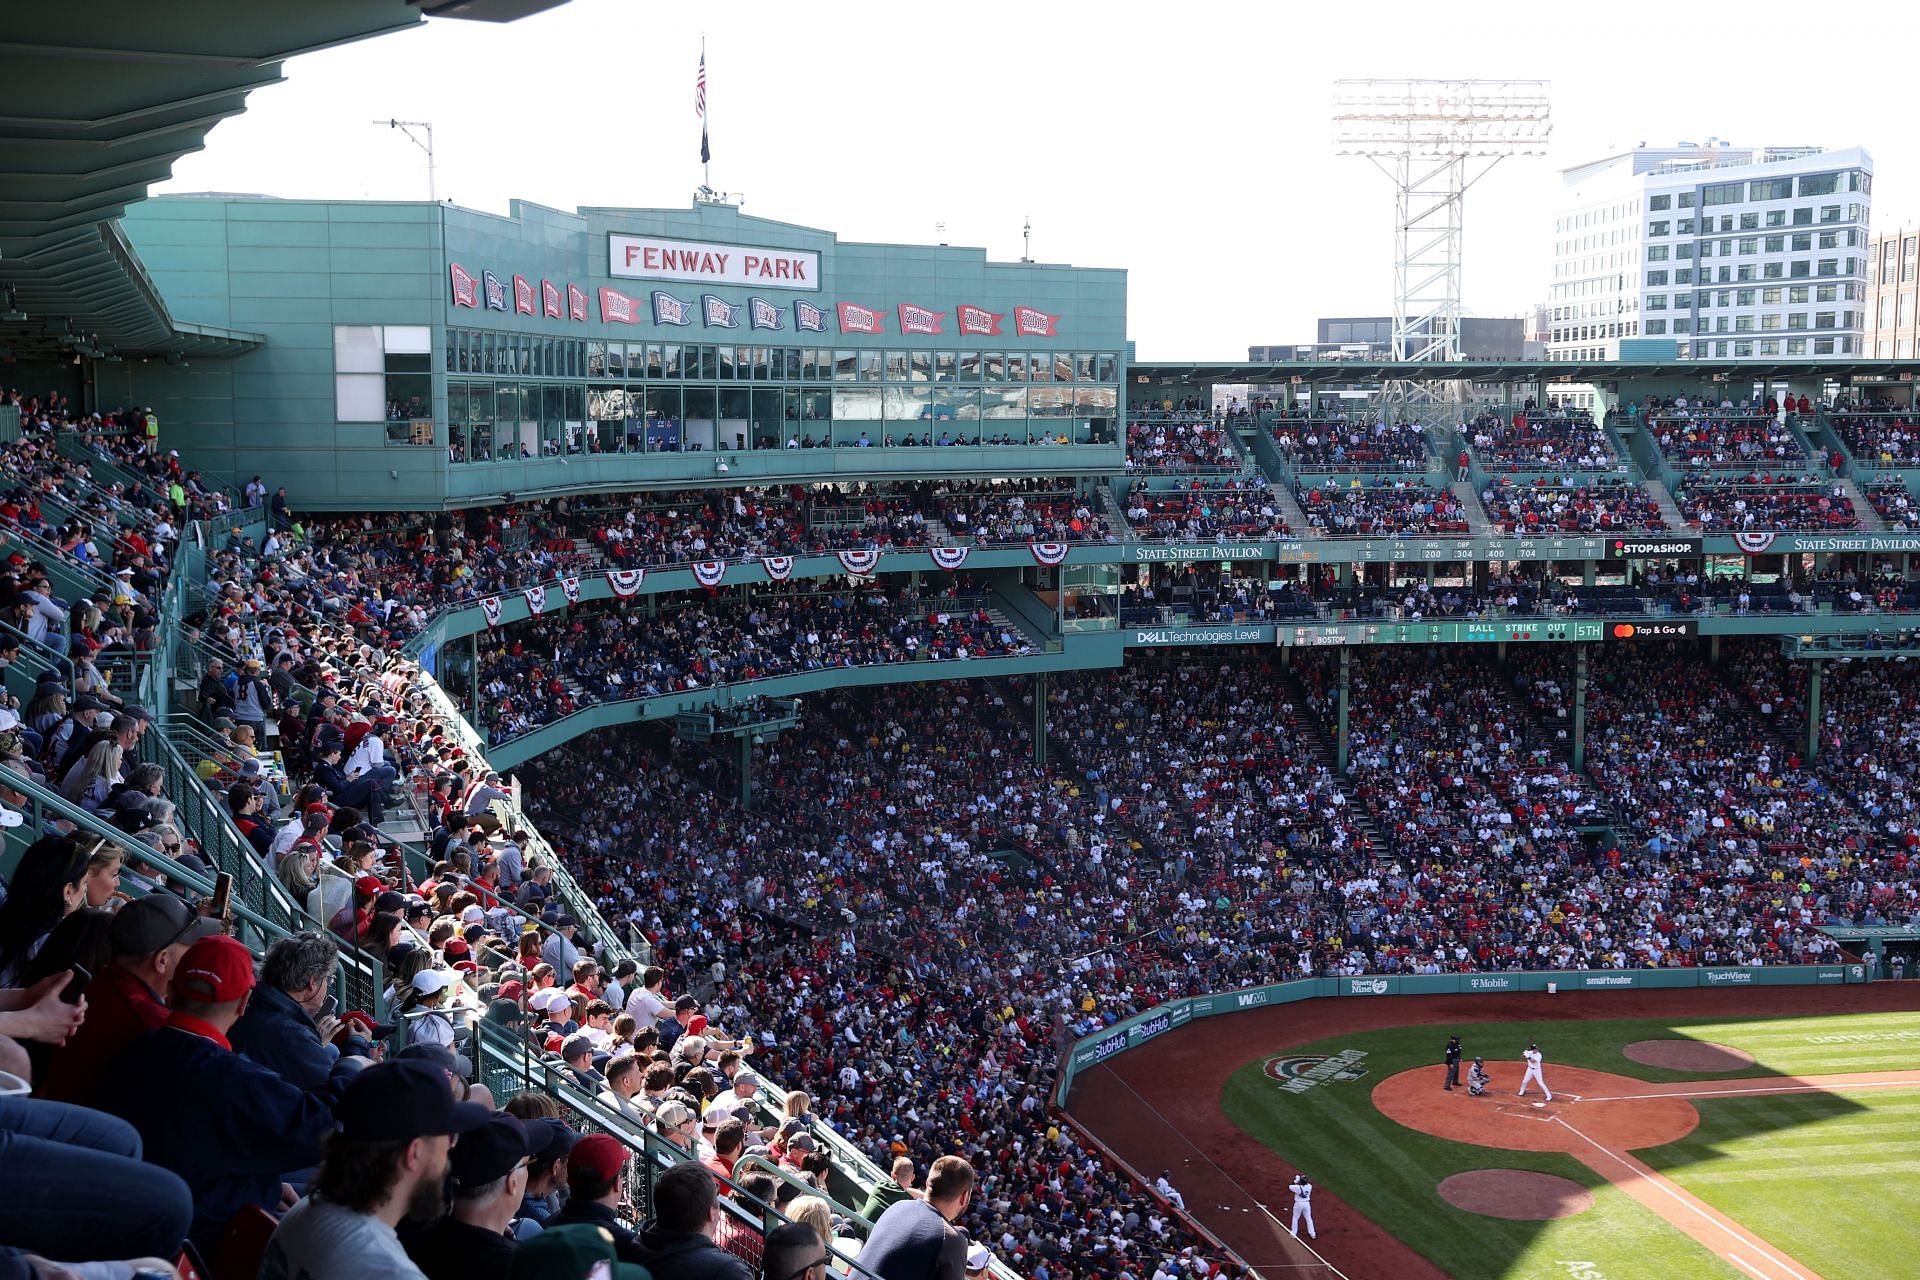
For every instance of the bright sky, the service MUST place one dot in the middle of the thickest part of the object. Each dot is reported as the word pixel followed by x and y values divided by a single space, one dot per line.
pixel 1190 144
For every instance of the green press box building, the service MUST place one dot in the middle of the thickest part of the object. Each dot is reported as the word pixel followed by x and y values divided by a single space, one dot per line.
pixel 413 355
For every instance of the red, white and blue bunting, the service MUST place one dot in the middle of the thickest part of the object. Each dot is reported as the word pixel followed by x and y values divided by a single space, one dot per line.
pixel 536 600
pixel 949 558
pixel 571 588
pixel 491 607
pixel 625 582
pixel 859 562
pixel 1048 553
pixel 778 568
pixel 1754 543
pixel 709 572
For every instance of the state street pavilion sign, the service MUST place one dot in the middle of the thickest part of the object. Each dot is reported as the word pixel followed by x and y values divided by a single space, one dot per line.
pixel 650 258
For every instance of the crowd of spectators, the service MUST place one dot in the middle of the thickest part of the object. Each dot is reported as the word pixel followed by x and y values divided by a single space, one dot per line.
pixel 1179 441
pixel 1718 439
pixel 1885 439
pixel 1894 503
pixel 1558 507
pixel 1760 501
pixel 1534 439
pixel 1381 509
pixel 1342 444
pixel 1205 511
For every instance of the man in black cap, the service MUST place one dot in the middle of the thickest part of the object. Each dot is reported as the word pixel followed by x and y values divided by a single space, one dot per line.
pixel 489 1167
pixel 387 1162
pixel 546 1176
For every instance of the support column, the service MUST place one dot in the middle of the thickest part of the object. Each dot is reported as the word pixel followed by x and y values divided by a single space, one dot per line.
pixel 746 771
pixel 1814 669
pixel 1040 719
pixel 473 685
pixel 1586 573
pixel 1340 731
pixel 1580 708
pixel 1713 651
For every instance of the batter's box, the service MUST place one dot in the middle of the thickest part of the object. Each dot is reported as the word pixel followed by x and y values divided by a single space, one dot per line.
pixel 1520 1109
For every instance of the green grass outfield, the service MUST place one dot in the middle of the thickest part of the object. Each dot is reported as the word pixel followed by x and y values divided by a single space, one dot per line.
pixel 1829 1180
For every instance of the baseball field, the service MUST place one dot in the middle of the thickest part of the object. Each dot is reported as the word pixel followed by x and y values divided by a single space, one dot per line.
pixel 1774 1135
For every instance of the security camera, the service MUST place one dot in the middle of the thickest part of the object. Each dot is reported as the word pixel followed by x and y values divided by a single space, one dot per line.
pixel 720 465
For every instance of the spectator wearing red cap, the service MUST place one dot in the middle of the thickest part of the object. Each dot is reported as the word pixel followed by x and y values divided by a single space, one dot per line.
pixel 593 1185
pixel 231 1128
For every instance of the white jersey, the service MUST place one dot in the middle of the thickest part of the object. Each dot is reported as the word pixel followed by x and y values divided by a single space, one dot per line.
pixel 1302 1192
pixel 1533 1059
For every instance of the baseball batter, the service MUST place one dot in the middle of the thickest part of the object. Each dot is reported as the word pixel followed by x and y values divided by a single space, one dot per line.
pixel 1302 1205
pixel 1533 1076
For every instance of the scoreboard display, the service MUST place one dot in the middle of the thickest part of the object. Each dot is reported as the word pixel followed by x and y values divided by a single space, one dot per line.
pixel 1519 631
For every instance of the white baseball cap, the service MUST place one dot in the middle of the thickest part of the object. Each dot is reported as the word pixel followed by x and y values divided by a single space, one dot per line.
pixel 428 981
pixel 979 1258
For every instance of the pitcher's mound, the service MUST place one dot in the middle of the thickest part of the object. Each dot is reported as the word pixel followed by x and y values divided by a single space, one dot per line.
pixel 1519 1194
pixel 1688 1055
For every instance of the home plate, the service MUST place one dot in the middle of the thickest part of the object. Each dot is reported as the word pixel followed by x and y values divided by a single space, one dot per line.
pixel 1539 1106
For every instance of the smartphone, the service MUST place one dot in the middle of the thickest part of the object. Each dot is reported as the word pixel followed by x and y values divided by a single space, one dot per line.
pixel 76 985
pixel 222 896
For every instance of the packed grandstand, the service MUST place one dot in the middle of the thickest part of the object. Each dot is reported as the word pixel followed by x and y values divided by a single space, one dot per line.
pixel 832 997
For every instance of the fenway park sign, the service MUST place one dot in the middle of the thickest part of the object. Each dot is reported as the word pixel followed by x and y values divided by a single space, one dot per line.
pixel 650 258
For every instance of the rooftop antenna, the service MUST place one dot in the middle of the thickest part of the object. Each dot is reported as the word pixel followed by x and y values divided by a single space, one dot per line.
pixel 940 232
pixel 1026 240
pixel 407 127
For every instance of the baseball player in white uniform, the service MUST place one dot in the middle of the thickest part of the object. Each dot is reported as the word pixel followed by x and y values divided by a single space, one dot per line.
pixel 1302 1205
pixel 1533 1076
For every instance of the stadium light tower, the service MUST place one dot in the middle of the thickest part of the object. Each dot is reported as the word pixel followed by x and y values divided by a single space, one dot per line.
pixel 1435 139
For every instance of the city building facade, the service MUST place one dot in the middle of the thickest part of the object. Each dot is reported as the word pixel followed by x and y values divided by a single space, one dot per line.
pixel 1893 295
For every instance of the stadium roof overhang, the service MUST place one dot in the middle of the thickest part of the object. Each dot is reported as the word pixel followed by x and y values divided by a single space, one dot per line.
pixel 98 102
pixel 1191 373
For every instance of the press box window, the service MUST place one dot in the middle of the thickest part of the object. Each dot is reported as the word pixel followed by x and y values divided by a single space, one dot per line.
pixel 382 373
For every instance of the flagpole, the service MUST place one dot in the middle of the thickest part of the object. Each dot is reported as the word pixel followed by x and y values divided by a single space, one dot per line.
pixel 706 166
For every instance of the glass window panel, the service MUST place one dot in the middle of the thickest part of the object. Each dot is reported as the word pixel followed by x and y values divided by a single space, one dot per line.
pixel 960 404
pixel 909 404
pixel 920 364
pixel 616 360
pixel 856 404
pixel 709 363
pixel 970 366
pixel 845 365
pixel 357 349
pixel 994 366
pixel 944 366
pixel 1016 367
pixel 1050 402
pixel 1083 367
pixel 871 363
pixel 359 397
pixel 725 356
pixel 670 365
pixel 1106 368
pixel 1000 403
pixel 794 362
pixel 896 366
pixel 763 364
pixel 596 359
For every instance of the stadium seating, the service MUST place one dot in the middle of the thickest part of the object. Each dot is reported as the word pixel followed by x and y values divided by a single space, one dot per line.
pixel 1531 439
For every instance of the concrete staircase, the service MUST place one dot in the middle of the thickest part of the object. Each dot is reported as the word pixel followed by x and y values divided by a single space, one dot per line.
pixel 1290 511
pixel 1316 739
pixel 1869 518
pixel 1477 523
pixel 1669 509
pixel 1545 731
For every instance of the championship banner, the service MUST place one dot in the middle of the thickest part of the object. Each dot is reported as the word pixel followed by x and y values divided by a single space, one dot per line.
pixel 1754 543
pixel 762 314
pixel 779 568
pixel 809 318
pixel 949 558
pixel 463 286
pixel 919 320
pixel 523 297
pixel 858 562
pixel 709 572
pixel 491 607
pixel 1048 553
pixel 855 318
pixel 550 300
pixel 719 313
pixel 570 587
pixel 625 582
pixel 979 320
pixel 496 292
pixel 1031 323
pixel 576 302
pixel 536 600
pixel 668 309
pixel 618 308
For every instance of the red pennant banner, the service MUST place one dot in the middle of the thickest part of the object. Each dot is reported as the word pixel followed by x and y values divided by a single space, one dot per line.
pixel 779 568
pixel 550 300
pixel 466 291
pixel 979 320
pixel 855 318
pixel 625 582
pixel 919 320
pixel 708 573
pixel 576 302
pixel 1030 323
pixel 1048 553
pixel 618 308
pixel 949 558
pixel 523 296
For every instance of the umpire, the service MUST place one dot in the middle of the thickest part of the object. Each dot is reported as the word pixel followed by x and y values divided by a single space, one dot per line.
pixel 1453 1062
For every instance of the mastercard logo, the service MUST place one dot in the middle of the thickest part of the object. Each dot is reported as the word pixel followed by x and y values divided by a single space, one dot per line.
pixel 1624 631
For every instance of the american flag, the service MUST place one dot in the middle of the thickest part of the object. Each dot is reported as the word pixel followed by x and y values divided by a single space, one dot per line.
pixel 700 89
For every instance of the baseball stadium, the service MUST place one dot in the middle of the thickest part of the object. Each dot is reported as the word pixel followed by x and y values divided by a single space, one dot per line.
pixel 661 743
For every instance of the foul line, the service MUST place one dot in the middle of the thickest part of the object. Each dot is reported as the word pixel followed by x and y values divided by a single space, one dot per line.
pixel 1780 1088
pixel 1251 1198
pixel 1669 1191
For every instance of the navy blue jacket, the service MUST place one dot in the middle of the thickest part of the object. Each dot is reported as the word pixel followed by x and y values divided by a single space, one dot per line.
pixel 277 1033
pixel 231 1128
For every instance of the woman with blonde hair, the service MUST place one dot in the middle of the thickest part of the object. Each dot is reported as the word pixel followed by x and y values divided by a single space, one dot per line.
pixel 47 710
pixel 94 776
pixel 297 872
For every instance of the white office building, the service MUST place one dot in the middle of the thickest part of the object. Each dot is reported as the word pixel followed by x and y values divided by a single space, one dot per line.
pixel 1712 252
